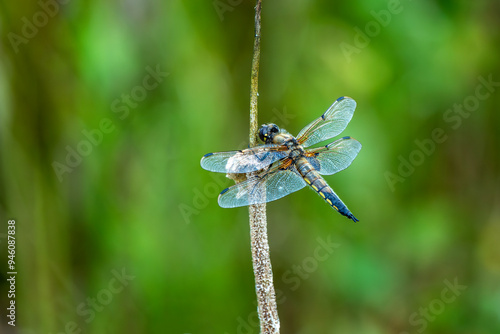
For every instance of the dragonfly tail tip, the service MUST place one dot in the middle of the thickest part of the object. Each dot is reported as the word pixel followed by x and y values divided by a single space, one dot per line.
pixel 354 219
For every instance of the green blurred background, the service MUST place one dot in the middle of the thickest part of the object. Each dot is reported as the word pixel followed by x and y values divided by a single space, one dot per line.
pixel 118 227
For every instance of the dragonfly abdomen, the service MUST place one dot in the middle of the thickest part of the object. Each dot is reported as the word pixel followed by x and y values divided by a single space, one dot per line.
pixel 318 184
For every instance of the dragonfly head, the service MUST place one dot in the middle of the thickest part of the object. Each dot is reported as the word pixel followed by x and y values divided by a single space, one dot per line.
pixel 267 132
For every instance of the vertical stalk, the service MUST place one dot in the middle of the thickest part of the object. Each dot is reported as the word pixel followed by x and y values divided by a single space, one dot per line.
pixel 264 287
pixel 254 81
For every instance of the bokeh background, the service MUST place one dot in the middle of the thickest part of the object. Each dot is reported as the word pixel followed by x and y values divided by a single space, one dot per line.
pixel 106 108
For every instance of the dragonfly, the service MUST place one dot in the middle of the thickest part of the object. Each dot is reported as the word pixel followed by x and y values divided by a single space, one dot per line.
pixel 283 164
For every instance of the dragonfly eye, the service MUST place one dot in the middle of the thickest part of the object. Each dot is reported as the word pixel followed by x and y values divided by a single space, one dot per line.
pixel 267 132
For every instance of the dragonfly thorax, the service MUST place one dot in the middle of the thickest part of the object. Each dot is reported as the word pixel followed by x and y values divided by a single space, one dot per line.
pixel 296 153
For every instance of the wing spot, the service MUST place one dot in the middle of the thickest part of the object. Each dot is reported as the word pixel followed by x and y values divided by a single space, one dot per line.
pixel 223 191
pixel 208 154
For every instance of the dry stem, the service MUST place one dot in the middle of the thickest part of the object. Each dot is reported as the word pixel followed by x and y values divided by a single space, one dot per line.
pixel 266 296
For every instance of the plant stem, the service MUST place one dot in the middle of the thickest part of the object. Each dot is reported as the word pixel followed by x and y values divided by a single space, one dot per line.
pixel 266 296
pixel 254 81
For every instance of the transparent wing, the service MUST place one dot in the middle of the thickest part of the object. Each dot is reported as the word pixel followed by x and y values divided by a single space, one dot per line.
pixel 330 124
pixel 334 157
pixel 264 187
pixel 244 161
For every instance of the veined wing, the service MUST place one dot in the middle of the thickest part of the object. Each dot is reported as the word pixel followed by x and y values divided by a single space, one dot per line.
pixel 330 124
pixel 267 186
pixel 334 157
pixel 244 161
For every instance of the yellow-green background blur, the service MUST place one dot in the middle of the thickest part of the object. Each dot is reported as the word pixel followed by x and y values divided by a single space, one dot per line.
pixel 100 165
